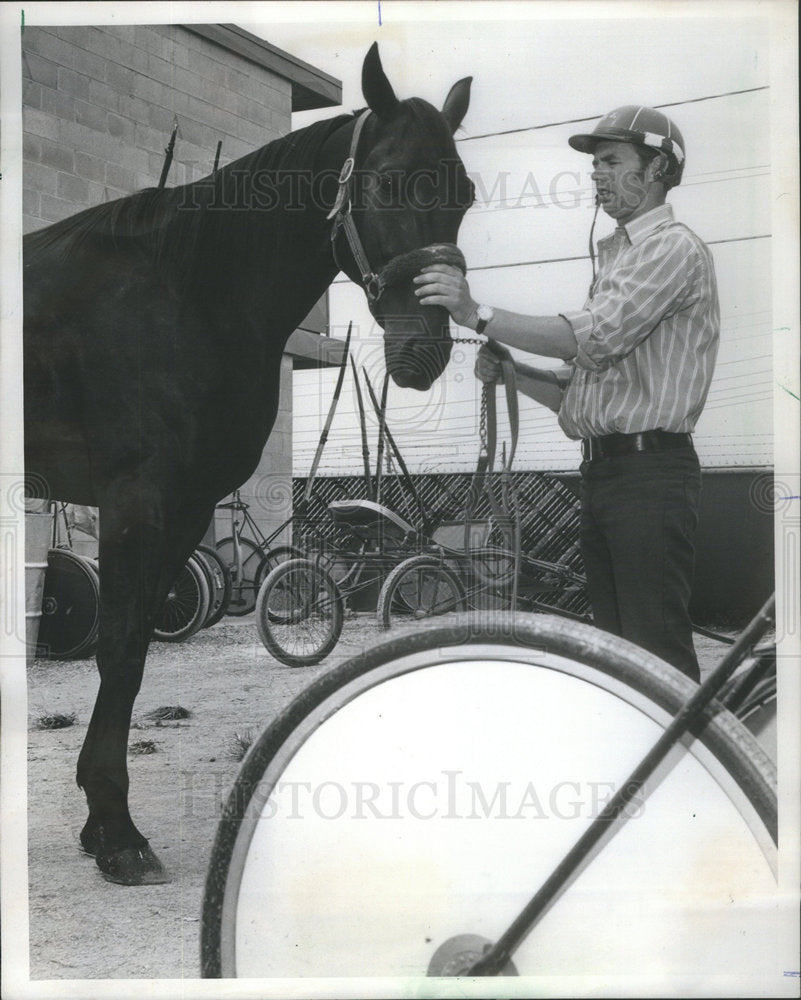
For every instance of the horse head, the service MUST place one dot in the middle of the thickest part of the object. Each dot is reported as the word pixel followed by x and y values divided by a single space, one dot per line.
pixel 402 195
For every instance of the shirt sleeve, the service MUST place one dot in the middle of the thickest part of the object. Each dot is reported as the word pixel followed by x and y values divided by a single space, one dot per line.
pixel 633 298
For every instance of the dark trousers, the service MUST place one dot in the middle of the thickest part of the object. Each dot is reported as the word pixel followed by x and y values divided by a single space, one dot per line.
pixel 639 513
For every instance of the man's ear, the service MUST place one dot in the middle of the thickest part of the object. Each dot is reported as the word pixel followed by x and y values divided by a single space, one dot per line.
pixel 658 167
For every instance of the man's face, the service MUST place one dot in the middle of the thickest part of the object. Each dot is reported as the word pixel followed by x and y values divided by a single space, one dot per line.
pixel 620 180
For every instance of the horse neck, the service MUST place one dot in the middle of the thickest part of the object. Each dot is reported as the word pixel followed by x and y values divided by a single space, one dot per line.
pixel 261 232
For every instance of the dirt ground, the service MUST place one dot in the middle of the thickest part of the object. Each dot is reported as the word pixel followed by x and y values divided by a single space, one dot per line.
pixel 84 927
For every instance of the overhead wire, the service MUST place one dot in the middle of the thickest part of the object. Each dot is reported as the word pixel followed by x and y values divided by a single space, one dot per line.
pixel 590 118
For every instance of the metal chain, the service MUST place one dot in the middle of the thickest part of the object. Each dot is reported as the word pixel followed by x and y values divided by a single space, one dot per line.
pixel 466 340
pixel 482 423
pixel 482 426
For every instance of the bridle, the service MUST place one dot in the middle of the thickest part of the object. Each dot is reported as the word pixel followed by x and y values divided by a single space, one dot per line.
pixel 402 266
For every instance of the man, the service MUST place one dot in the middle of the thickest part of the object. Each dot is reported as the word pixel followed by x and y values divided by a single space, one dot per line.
pixel 640 359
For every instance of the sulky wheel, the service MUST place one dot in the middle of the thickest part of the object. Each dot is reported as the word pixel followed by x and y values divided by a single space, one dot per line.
pixel 219 578
pixel 187 604
pixel 299 613
pixel 420 587
pixel 70 619
pixel 398 816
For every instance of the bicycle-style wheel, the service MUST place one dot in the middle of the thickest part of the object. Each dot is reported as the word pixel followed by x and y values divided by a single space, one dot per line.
pixel 244 577
pixel 419 587
pixel 187 604
pixel 299 613
pixel 423 791
pixel 219 578
pixel 70 619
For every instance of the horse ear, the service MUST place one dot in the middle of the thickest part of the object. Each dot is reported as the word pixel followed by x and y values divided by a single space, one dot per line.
pixel 376 87
pixel 457 102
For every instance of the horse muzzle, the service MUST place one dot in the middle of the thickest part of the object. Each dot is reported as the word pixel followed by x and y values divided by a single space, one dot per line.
pixel 416 351
pixel 417 342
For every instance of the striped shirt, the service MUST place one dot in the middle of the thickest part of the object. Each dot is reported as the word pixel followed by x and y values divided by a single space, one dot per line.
pixel 648 334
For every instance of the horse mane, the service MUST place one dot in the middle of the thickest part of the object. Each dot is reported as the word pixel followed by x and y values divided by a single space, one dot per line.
pixel 136 216
pixel 187 230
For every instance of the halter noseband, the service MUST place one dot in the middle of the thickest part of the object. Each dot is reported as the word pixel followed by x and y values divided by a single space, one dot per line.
pixel 400 267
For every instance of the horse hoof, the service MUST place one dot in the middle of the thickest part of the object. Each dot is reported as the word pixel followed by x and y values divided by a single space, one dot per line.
pixel 133 866
pixel 90 840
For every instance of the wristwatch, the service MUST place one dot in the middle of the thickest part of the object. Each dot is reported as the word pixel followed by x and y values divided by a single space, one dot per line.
pixel 485 314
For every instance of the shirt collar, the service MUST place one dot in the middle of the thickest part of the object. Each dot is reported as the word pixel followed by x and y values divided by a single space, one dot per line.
pixel 644 225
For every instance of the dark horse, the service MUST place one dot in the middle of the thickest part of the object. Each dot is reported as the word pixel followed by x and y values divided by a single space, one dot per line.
pixel 154 328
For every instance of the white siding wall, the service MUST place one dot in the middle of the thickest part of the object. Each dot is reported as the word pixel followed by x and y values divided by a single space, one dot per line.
pixel 535 204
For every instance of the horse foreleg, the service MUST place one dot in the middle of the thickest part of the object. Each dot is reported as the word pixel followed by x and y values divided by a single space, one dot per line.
pixel 139 559
pixel 129 569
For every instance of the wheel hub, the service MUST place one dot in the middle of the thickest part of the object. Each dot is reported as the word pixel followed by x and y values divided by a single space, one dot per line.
pixel 458 955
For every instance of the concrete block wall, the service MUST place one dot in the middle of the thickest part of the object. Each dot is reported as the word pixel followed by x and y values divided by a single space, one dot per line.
pixel 99 105
pixel 98 109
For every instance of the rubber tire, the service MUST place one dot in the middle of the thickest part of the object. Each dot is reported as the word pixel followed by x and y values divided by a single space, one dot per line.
pixel 243 595
pixel 70 621
pixel 269 623
pixel 179 621
pixel 221 580
pixel 396 578
pixel 596 654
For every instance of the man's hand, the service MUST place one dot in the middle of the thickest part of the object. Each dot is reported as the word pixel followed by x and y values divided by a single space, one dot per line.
pixel 488 368
pixel 444 285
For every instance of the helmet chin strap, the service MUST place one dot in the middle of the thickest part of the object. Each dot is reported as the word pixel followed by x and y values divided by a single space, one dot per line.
pixel 592 245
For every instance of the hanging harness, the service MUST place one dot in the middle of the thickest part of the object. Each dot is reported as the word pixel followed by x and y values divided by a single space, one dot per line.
pixel 401 267
pixel 504 517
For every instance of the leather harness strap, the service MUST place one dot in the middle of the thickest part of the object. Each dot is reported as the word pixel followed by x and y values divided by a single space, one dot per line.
pixel 329 418
pixel 403 265
pixel 342 215
pixel 503 509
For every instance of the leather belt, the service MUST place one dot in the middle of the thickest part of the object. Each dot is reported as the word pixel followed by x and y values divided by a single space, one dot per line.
pixel 613 445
